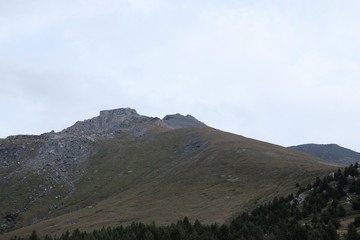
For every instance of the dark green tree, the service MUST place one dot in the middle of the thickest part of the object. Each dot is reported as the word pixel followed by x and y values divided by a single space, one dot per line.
pixel 352 234
pixel 34 236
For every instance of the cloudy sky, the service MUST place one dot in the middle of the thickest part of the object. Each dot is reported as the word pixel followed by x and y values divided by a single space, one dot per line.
pixel 286 72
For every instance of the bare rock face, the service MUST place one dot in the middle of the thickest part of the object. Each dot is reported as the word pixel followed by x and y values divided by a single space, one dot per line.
pixel 179 121
pixel 110 121
pixel 13 152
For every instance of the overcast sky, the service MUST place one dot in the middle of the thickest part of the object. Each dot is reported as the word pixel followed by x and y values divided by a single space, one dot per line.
pixel 285 72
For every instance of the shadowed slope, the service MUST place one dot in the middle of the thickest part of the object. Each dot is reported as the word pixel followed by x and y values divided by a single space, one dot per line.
pixel 330 152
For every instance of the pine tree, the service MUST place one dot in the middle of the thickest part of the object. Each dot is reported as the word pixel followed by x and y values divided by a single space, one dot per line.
pixel 34 236
pixel 352 234
pixel 341 211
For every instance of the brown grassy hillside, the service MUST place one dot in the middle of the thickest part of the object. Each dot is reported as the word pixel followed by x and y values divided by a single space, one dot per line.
pixel 201 173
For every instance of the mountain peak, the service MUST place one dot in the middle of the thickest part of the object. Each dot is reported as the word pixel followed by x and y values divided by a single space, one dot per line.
pixel 110 121
pixel 118 112
pixel 180 121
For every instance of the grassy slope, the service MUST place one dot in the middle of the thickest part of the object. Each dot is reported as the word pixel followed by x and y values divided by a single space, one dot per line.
pixel 154 179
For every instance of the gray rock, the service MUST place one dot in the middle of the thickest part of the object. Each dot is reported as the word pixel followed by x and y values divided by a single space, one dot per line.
pixel 179 121
pixel 109 121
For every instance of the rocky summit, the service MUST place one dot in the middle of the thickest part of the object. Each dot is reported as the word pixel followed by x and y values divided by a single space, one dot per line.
pixel 111 121
pixel 179 121
pixel 114 121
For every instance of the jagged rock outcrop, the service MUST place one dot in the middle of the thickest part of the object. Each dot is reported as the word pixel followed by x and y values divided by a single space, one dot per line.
pixel 110 121
pixel 179 121
pixel 15 150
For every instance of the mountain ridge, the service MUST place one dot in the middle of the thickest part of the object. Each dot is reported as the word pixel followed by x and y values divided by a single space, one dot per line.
pixel 331 152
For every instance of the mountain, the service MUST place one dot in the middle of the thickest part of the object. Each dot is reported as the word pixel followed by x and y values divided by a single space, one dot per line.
pixel 330 152
pixel 121 167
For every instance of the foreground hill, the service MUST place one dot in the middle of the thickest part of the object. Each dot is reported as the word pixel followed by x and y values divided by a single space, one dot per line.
pixel 330 152
pixel 121 167
pixel 326 209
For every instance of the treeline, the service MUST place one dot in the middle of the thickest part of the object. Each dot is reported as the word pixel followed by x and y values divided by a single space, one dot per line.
pixel 314 213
